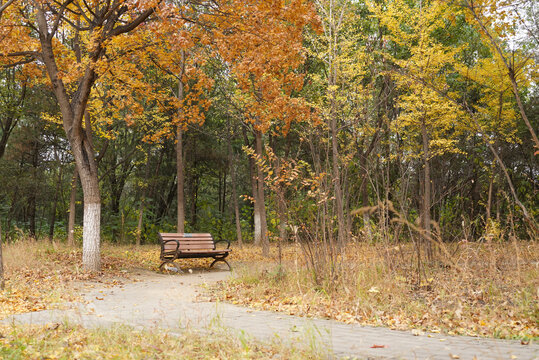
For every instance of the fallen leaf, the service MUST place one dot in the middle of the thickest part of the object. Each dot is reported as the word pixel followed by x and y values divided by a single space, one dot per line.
pixel 53 326
pixel 375 346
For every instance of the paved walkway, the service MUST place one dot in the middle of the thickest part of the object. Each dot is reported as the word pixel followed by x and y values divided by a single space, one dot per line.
pixel 166 301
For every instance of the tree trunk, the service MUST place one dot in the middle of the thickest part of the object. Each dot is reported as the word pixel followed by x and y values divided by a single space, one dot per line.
pixel 180 183
pixel 489 199
pixel 179 155
pixel 54 204
pixel 281 206
pixel 72 109
pixel 252 176
pixel 72 209
pixel 143 199
pixel 32 199
pixel 87 169
pixel 236 206
pixel 259 200
pixel 426 203
pixel 2 281
pixel 223 201
pixel 341 221
pixel 232 162
pixel 365 197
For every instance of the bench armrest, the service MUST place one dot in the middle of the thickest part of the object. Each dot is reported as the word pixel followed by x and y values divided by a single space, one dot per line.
pixel 167 241
pixel 218 241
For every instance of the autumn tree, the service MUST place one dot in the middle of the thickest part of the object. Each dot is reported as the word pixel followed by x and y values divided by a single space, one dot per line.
pixel 262 43
pixel 497 23
pixel 99 25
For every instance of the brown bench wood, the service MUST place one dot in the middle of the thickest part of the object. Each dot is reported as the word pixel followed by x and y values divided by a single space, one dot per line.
pixel 190 245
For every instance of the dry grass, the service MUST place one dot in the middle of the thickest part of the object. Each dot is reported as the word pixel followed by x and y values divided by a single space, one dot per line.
pixel 43 275
pixel 63 341
pixel 492 289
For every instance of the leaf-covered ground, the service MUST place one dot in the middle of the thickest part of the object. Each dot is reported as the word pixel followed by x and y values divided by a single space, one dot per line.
pixel 489 290
pixel 43 275
pixel 64 341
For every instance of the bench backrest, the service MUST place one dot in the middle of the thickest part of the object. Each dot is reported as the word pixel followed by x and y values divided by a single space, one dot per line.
pixel 188 241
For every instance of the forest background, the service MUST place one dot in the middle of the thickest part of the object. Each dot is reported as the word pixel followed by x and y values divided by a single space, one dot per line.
pixel 325 122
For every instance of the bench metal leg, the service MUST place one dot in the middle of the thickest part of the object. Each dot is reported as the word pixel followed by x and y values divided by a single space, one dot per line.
pixel 223 260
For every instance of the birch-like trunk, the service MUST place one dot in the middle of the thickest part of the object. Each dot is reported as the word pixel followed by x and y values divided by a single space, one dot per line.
pixel 91 258
pixel 259 201
pixel 254 189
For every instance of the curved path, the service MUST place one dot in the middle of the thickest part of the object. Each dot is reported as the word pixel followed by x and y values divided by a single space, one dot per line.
pixel 170 302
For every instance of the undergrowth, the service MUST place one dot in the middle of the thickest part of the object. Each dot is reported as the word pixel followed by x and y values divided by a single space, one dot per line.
pixel 492 290
pixel 64 341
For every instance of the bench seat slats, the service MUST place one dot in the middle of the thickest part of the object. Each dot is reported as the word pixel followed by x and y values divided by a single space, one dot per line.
pixel 189 246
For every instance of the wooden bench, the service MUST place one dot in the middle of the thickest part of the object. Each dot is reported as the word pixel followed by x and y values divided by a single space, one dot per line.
pixel 185 246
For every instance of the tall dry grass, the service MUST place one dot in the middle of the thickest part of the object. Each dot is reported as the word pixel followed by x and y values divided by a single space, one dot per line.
pixel 491 289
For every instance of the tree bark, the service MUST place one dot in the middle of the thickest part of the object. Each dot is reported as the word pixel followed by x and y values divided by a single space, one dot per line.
pixel 232 164
pixel 2 280
pixel 365 196
pixel 32 199
pixel 236 205
pixel 179 155
pixel 72 209
pixel 489 199
pixel 55 203
pixel 281 205
pixel 254 190
pixel 426 203
pixel 341 220
pixel 180 183
pixel 143 199
pixel 259 200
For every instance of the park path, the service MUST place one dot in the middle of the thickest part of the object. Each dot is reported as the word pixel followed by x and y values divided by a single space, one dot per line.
pixel 170 302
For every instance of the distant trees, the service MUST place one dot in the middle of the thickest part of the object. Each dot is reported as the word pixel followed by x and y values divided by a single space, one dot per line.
pixel 328 121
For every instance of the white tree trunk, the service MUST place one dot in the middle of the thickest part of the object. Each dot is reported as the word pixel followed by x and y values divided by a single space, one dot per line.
pixel 260 197
pixel 257 225
pixel 91 259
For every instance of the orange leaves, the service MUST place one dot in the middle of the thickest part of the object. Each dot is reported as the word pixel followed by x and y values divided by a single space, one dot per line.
pixel 262 45
pixel 137 71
